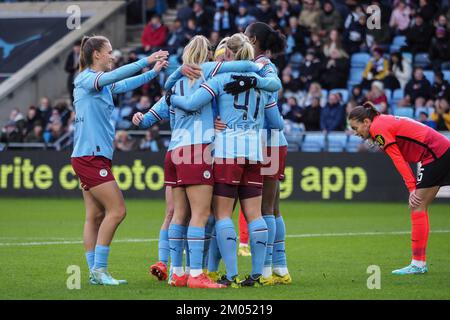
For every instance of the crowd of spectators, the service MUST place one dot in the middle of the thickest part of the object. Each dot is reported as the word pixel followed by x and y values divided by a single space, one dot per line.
pixel 405 70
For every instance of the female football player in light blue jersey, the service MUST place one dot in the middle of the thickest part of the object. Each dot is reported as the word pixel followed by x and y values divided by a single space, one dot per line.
pixel 244 116
pixel 93 145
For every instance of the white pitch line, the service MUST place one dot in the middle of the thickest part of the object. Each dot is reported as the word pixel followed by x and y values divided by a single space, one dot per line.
pixel 142 240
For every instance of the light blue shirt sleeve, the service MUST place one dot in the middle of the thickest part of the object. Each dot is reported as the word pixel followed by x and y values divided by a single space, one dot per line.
pixel 160 111
pixel 101 79
pixel 210 69
pixel 269 84
pixel 133 82
pixel 207 91
pixel 272 116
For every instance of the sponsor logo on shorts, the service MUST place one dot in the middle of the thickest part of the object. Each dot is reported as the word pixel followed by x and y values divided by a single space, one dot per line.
pixel 206 174
pixel 103 173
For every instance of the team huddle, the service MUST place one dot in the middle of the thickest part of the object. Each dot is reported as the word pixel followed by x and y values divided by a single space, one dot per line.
pixel 227 146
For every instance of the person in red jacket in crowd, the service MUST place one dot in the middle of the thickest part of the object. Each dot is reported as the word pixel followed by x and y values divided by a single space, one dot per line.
pixel 408 141
pixel 154 35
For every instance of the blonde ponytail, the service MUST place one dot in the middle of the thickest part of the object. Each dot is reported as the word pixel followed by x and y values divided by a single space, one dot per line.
pixel 241 47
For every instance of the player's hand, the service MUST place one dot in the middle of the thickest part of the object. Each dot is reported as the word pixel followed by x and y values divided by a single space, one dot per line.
pixel 158 56
pixel 137 118
pixel 414 200
pixel 159 65
pixel 192 71
pixel 241 84
pixel 219 125
pixel 167 97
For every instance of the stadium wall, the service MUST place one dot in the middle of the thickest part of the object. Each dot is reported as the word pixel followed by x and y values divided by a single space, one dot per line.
pixel 309 176
pixel 44 75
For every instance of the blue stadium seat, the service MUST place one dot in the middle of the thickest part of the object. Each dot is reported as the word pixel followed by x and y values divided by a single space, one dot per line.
pixel 399 40
pixel 313 142
pixel 359 60
pixel 353 143
pixel 337 141
pixel 429 74
pixel 404 112
pixel 295 60
pixel 421 60
pixel 408 56
pixel 325 93
pixel 388 93
pixel 343 92
pixel 293 147
pixel 397 95
pixel 428 110
pixel 355 77
pixel 446 133
pixel 446 75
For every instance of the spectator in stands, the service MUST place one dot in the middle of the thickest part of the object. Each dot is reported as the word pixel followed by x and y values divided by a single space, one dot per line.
pixel 316 43
pixel 333 115
pixel 185 13
pixel 376 69
pixel 334 41
pixel 418 36
pixel 202 20
pixel 309 16
pixel 63 111
pixel 154 35
pixel 399 72
pixel 191 30
pixel 441 115
pixel 132 57
pixel 423 118
pixel 176 39
pixel 214 39
pixel 150 141
pixel 45 110
pixel 295 112
pixel 11 133
pixel 309 69
pixel 56 131
pixel 291 86
pixel 123 142
pixel 224 19
pixel 71 66
pixel 31 119
pixel 400 18
pixel 441 87
pixel 335 72
pixel 418 86
pixel 329 18
pixel 265 11
pixel 354 34
pixel 311 115
pixel 377 96
pixel 243 18
pixel 427 9
pixel 357 97
pixel 439 52
pixel 442 21
pixel 283 13
pixel 314 91
pixel 295 35
pixel 36 135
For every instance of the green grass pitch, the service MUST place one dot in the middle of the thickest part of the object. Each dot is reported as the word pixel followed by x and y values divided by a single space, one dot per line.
pixel 329 248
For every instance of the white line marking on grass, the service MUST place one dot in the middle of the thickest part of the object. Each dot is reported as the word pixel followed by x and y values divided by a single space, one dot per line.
pixel 143 240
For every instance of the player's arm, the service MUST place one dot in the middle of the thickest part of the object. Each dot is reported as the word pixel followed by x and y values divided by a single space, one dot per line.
pixel 137 81
pixel 159 112
pixel 402 166
pixel 268 82
pixel 198 99
pixel 273 117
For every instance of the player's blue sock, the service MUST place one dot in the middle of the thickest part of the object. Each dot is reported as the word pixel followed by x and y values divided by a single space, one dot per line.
pixel 226 239
pixel 270 221
pixel 101 257
pixel 163 246
pixel 196 243
pixel 258 244
pixel 214 253
pixel 176 241
pixel 208 231
pixel 186 250
pixel 90 258
pixel 279 250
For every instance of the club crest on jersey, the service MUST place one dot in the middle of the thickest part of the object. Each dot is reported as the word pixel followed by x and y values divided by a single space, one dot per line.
pixel 380 140
pixel 206 174
pixel 103 173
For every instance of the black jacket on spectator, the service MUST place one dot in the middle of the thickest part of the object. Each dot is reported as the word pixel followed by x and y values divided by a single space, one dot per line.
pixel 311 118
pixel 354 36
pixel 295 114
pixel 309 72
pixel 440 49
pixel 335 75
pixel 417 89
pixel 441 90
pixel 418 38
